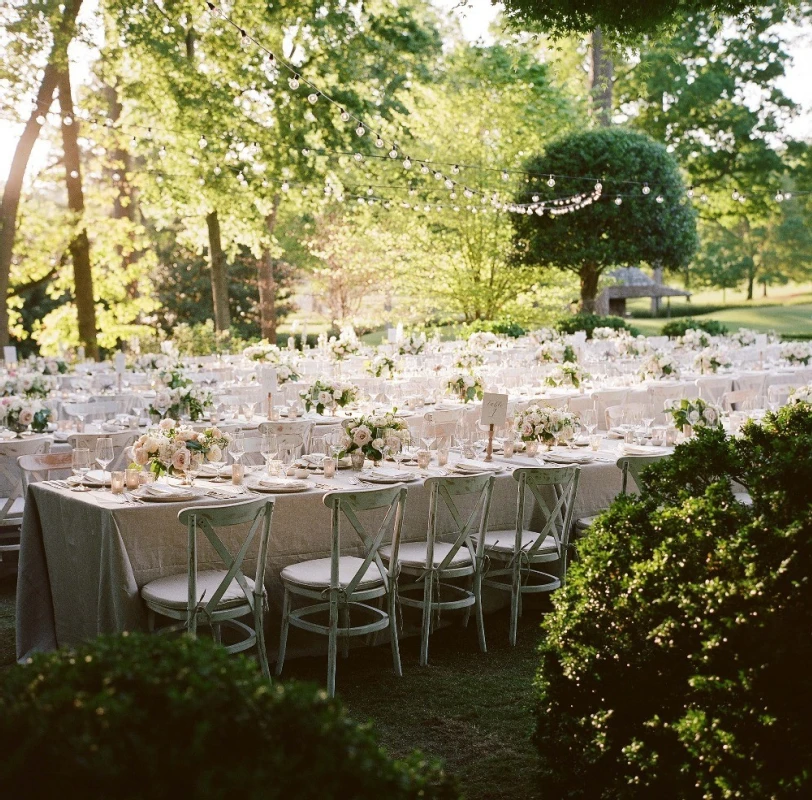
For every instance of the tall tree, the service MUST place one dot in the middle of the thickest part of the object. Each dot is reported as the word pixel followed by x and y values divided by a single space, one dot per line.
pixel 56 22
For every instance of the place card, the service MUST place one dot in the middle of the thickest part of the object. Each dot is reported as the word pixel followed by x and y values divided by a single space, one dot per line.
pixel 494 409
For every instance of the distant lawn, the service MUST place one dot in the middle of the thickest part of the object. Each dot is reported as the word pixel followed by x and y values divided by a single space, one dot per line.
pixel 785 319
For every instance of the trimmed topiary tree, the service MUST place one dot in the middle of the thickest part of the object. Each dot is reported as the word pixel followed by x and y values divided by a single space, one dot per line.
pixel 153 717
pixel 676 661
pixel 604 235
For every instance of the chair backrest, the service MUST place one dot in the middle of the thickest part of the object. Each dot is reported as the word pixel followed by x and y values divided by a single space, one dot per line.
pixel 604 400
pixel 36 467
pixel 779 392
pixel 121 442
pixel 10 473
pixel 634 465
pixel 712 387
pixel 445 422
pixel 450 489
pixel 208 519
pixel 78 409
pixel 348 505
pixel 614 414
pixel 660 395
pixel 742 400
pixel 289 433
pixel 580 403
pixel 556 509
pixel 753 383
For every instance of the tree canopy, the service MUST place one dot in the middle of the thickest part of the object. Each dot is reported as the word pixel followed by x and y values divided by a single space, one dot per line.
pixel 643 214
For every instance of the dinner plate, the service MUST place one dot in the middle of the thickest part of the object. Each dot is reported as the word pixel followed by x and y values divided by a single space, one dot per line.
pixel 208 472
pixel 167 497
pixel 474 467
pixel 93 478
pixel 379 476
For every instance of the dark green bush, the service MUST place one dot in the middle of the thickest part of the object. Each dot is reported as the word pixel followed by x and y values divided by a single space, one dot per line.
pixel 676 661
pixel 506 327
pixel 588 323
pixel 153 717
pixel 678 327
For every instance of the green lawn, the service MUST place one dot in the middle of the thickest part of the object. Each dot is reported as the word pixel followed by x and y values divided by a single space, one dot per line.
pixel 471 710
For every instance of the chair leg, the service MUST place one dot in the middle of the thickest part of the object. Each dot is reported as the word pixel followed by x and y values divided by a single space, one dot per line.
pixel 283 637
pixel 393 631
pixel 217 632
pixel 151 620
pixel 480 617
pixel 332 651
pixel 467 614
pixel 426 629
pixel 515 597
pixel 344 618
pixel 259 628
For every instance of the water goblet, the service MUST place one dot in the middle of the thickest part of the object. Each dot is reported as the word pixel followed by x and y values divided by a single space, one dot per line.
pixel 104 453
pixel 80 466
pixel 268 449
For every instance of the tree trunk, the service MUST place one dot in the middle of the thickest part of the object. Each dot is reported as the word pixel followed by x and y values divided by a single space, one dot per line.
pixel 750 280
pixel 80 246
pixel 14 184
pixel 219 277
pixel 764 291
pixel 589 287
pixel 267 282
pixel 601 72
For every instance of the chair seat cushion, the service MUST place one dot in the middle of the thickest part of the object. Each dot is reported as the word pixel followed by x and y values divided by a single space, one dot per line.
pixel 582 523
pixel 316 573
pixel 413 554
pixel 503 541
pixel 173 590
pixel 743 498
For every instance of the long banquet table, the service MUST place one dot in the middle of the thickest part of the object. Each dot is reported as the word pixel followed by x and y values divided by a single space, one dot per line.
pixel 85 556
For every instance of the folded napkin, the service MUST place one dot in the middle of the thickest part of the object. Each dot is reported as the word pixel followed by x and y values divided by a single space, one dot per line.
pixel 569 458
pixel 210 470
pixel 469 465
pixel 278 483
pixel 388 474
pixel 161 490
pixel 641 450
pixel 112 427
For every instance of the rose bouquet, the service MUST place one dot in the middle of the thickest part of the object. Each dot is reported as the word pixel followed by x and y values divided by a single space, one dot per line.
pixel 413 345
pixel 482 340
pixel 710 360
pixel 467 360
pixel 696 413
pixel 659 365
pixel 695 339
pixel 29 384
pixel 263 351
pixel 627 345
pixel 555 352
pixel 540 423
pixel 174 403
pixel 467 386
pixel 565 374
pixel 344 346
pixel 51 366
pixel 285 371
pixel 743 337
pixel 373 434
pixel 169 447
pixel 381 366
pixel 323 395
pixel 607 333
pixel 543 335
pixel 796 353
pixel 174 378
pixel 800 394
pixel 152 361
pixel 17 413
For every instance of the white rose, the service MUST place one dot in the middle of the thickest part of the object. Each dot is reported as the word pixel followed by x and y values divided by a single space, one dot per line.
pixel 693 417
pixel 214 454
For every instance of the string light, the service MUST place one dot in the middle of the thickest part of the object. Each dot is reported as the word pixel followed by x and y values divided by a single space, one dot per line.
pixel 646 188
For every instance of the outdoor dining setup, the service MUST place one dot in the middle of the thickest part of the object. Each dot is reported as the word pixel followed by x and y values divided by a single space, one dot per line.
pixel 301 501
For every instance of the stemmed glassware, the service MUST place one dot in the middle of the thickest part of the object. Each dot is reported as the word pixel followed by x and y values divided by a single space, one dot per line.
pixel 589 420
pixel 319 451
pixel 80 465
pixel 237 446
pixel 269 450
pixel 104 454
pixel 218 465
pixel 196 462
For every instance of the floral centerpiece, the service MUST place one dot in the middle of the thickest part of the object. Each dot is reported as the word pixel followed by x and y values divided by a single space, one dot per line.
pixel 167 448
pixel 695 339
pixel 17 413
pixel 343 346
pixel 286 371
pixel 468 359
pixel 710 360
pixel 541 423
pixel 50 366
pixel 695 413
pixel 373 434
pixel 174 403
pixel 565 374
pixel 263 351
pixel 381 366
pixel 607 333
pixel 174 378
pixel 543 335
pixel 800 394
pixel 556 352
pixel 30 384
pixel 627 345
pixel 152 361
pixel 659 365
pixel 466 386
pixel 482 340
pixel 743 337
pixel 413 345
pixel 796 353
pixel 324 395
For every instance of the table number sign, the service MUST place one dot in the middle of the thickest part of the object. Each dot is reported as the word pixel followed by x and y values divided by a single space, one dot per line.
pixel 494 412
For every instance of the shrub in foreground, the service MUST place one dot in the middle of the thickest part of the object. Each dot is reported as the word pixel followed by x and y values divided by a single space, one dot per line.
pixel 676 661
pixel 142 716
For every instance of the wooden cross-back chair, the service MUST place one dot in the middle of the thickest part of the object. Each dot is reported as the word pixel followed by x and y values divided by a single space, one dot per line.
pixel 218 597
pixel 339 584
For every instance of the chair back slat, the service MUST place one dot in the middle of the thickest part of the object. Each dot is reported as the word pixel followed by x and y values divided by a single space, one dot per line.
pixel 289 433
pixel 10 471
pixel 37 467
pixel 634 465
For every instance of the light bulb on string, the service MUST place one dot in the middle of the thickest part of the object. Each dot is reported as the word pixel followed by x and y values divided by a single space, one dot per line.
pixel 598 186
pixel 369 190
pixel 213 9
pixel 505 175
pixel 704 198
pixel 345 117
pixel 449 184
pixel 244 40
pixel 271 59
pixel 407 163
pixel 690 191
pixel 360 130
pixel 162 152
pixel 294 82
pixel 735 194
pixel 358 157
pixel 305 151
pixel 551 181
pixel 742 198
pixel 438 176
pixel 393 153
pixel 660 198
pixel 217 170
pixel 74 173
pixel 313 98
pixel 453 195
pixel 424 169
pixel 779 198
pixel 787 195
pixel 618 201
pixel 455 169
pixel 379 142
pixel 468 193
pixel 67 121
pixel 285 186
pixel 116 176
pixel 202 142
pixel 646 189
pixel 40 120
pixel 535 198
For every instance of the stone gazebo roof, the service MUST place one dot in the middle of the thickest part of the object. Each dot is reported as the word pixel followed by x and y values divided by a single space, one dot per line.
pixel 632 282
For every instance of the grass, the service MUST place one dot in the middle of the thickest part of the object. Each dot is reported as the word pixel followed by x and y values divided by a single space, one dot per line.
pixel 471 710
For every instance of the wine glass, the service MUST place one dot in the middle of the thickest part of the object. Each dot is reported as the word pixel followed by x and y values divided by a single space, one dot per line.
pixel 196 462
pixel 319 451
pixel 589 420
pixel 237 446
pixel 80 465
pixel 218 464
pixel 104 453
pixel 269 449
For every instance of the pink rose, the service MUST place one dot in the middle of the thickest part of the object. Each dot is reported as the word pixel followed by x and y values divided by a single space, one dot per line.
pixel 140 456
pixel 26 417
pixel 180 461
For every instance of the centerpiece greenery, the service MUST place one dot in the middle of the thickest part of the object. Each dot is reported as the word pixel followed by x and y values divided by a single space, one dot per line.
pixel 544 424
pixel 381 366
pixel 659 365
pixel 567 373
pixel 374 433
pixel 696 412
pixel 466 386
pixel 326 395
pixel 18 413
pixel 29 384
pixel 167 448
pixel 711 359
